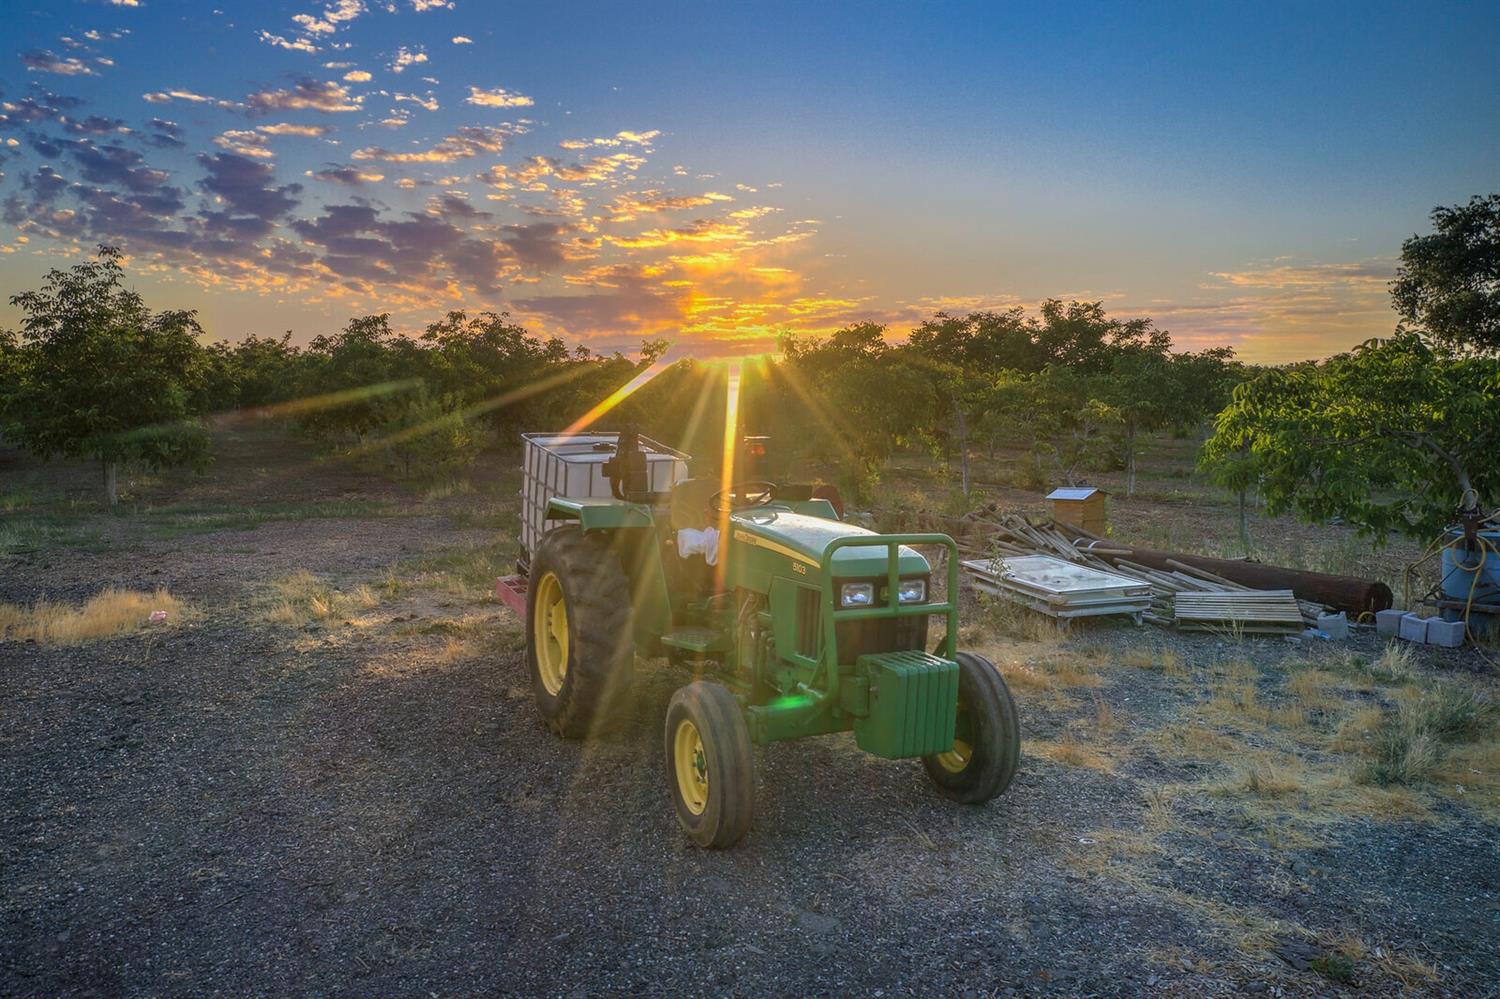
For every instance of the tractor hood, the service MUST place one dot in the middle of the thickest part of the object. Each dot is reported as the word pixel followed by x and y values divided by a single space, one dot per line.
pixel 805 538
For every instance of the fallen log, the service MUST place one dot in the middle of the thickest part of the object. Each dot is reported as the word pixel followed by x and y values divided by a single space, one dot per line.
pixel 1344 593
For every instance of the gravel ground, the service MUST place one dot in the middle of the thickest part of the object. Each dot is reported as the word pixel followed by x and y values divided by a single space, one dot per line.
pixel 231 806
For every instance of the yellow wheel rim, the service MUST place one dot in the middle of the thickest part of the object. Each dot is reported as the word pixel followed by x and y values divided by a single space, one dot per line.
pixel 690 763
pixel 549 632
pixel 956 759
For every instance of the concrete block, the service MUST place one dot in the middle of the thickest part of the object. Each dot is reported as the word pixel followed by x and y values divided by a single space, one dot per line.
pixel 1413 628
pixel 1448 634
pixel 1335 626
pixel 1388 623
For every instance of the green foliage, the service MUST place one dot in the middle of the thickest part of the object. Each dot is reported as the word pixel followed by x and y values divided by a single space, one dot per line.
pixel 862 399
pixel 94 373
pixel 1410 742
pixel 429 439
pixel 1393 436
pixel 1448 285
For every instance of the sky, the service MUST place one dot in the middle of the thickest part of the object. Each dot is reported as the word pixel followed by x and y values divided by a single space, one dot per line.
pixel 718 174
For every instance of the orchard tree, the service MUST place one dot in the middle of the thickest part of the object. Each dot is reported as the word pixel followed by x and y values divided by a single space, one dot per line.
pixel 1396 435
pixel 96 374
pixel 863 399
pixel 1448 285
pixel 357 377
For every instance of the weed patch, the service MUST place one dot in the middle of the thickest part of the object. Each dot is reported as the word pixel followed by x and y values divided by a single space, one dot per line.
pixel 112 612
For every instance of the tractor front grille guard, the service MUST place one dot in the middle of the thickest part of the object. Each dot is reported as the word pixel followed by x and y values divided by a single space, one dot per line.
pixel 833 614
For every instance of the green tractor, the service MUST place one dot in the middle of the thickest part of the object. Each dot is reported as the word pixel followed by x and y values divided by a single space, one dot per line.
pixel 793 622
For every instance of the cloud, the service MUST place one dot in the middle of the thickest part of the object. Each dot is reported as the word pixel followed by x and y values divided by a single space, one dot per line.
pixel 421 6
pixel 246 186
pixel 245 143
pixel 627 207
pixel 164 134
pixel 302 44
pixel 630 299
pixel 1369 275
pixel 348 175
pixel 618 139
pixel 536 245
pixel 466 143
pixel 462 40
pixel 598 168
pixel 287 128
pixel 307 95
pixel 497 97
pixel 357 76
pixel 45 184
pixel 428 103
pixel 698 231
pixel 415 250
pixel 116 166
pixel 43 106
pixel 126 3
pixel 312 27
pixel 43 61
pixel 163 96
pixel 406 57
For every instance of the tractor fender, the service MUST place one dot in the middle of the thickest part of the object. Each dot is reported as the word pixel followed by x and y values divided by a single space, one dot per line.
pixel 596 513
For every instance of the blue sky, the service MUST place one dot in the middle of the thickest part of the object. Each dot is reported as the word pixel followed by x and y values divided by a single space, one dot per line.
pixel 717 173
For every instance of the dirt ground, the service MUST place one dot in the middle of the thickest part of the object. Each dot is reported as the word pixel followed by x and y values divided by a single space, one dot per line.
pixel 327 776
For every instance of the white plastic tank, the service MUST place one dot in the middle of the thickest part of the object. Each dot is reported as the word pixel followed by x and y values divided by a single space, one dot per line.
pixel 572 465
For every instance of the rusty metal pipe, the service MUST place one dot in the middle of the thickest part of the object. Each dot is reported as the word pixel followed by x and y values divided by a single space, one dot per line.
pixel 1344 593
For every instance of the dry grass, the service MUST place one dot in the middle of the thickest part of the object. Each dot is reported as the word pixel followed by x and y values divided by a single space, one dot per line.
pixel 302 598
pixel 112 612
pixel 1162 660
pixel 1267 780
pixel 1070 751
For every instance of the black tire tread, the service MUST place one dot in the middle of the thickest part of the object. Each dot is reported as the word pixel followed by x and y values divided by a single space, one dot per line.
pixel 998 756
pixel 601 651
pixel 721 724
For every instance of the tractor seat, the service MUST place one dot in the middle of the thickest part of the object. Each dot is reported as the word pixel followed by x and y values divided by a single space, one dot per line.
pixel 690 504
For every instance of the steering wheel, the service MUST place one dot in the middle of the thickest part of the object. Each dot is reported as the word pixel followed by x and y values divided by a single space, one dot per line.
pixel 743 496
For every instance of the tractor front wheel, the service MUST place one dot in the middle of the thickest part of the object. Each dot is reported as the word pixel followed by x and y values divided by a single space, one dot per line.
pixel 709 764
pixel 987 736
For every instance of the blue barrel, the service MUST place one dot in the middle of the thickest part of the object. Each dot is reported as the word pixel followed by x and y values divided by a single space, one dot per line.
pixel 1473 570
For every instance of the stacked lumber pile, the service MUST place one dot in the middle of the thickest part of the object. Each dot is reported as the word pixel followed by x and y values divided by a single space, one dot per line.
pixel 1263 611
pixel 1211 601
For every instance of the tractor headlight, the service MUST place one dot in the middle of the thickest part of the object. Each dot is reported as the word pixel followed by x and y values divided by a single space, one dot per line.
pixel 911 591
pixel 857 594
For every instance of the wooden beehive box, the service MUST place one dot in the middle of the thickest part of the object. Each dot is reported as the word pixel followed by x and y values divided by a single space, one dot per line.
pixel 1081 506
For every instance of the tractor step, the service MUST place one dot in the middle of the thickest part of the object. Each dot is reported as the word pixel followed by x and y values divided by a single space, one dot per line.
pixel 696 640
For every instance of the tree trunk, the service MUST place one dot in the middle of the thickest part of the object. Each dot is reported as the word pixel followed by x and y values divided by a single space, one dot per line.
pixel 1130 459
pixel 1244 525
pixel 963 447
pixel 111 481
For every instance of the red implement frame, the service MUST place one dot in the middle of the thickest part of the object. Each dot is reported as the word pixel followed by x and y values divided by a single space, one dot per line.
pixel 511 591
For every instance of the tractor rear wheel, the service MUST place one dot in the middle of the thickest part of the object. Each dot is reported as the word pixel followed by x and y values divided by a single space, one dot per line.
pixel 987 736
pixel 579 647
pixel 709 764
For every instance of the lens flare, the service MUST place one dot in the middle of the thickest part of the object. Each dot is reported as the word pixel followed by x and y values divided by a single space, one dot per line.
pixel 616 397
pixel 726 472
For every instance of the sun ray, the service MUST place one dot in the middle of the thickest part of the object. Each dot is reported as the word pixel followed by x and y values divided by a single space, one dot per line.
pixel 726 469
pixel 834 427
pixel 616 397
pixel 470 412
pixel 313 403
